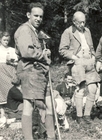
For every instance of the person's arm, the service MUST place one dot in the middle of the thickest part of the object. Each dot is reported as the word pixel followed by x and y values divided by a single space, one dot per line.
pixel 91 43
pixel 24 41
pixel 58 88
pixel 11 57
pixel 25 45
pixel 99 56
pixel 65 45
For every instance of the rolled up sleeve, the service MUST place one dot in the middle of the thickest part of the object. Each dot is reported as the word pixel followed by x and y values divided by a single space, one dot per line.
pixel 65 45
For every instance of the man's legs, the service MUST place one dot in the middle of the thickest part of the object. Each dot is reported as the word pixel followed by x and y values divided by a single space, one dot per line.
pixel 27 119
pixel 78 73
pixel 79 100
pixel 79 104
pixel 90 99
pixel 49 120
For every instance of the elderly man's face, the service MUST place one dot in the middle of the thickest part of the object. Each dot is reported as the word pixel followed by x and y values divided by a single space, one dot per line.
pixel 35 17
pixel 80 22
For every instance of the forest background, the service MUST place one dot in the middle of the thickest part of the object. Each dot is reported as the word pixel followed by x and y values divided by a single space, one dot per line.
pixel 57 17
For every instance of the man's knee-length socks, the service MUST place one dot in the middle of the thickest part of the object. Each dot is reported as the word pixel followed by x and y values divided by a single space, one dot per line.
pixel 27 127
pixel 79 102
pixel 50 127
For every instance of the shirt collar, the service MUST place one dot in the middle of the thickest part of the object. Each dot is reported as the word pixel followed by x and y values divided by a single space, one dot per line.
pixel 33 28
pixel 74 29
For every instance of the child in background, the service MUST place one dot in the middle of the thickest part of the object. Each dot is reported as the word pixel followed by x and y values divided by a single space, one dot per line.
pixel 7 53
pixel 8 60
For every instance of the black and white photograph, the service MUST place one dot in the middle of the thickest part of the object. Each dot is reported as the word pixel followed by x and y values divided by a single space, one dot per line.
pixel 50 69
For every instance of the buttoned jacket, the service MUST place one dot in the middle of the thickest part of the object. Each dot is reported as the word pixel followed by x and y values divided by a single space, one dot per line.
pixel 64 91
pixel 27 42
pixel 70 43
pixel 28 46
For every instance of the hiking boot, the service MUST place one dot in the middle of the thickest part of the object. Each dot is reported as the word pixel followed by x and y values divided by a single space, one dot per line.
pixel 79 120
pixel 82 124
pixel 87 119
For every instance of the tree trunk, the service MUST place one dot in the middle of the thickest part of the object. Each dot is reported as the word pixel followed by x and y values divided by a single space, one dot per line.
pixel 65 15
pixel 2 15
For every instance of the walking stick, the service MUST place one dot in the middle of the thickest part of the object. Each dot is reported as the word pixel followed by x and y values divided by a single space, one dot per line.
pixel 53 104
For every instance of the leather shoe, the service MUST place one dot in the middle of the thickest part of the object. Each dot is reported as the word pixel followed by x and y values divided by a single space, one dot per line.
pixel 87 119
pixel 79 120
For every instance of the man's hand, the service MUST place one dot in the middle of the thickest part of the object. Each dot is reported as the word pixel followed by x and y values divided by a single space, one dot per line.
pixel 47 52
pixel 68 102
pixel 74 57
pixel 47 55
pixel 98 66
pixel 93 57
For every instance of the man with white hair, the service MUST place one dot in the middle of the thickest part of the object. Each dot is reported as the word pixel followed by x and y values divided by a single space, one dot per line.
pixel 77 47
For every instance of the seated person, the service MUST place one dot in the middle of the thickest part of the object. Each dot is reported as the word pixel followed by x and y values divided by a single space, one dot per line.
pixel 14 98
pixel 60 107
pixel 8 62
pixel 15 103
pixel 15 106
pixel 67 88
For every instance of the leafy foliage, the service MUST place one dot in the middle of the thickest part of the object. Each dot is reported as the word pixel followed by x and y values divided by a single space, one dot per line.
pixel 58 16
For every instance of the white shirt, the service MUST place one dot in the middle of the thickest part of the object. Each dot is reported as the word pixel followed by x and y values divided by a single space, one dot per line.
pixel 85 50
pixel 4 51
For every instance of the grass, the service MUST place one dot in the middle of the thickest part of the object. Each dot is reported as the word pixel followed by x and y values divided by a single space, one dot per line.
pixel 75 132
